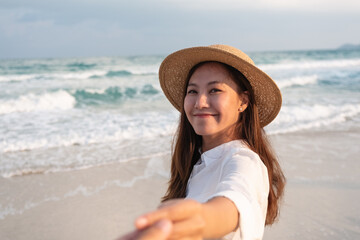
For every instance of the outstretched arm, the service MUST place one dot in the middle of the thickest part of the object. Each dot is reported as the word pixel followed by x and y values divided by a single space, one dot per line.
pixel 191 219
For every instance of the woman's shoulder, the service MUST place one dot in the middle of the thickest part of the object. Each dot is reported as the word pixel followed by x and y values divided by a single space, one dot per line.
pixel 239 148
pixel 233 153
pixel 239 155
pixel 243 164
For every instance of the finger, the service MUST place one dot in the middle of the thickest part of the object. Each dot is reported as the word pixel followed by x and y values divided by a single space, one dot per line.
pixel 174 212
pixel 150 218
pixel 159 231
pixel 191 227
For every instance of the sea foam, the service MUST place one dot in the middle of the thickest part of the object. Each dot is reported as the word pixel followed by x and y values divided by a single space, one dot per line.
pixel 17 78
pixel 96 127
pixel 323 64
pixel 297 118
pixel 297 81
pixel 60 100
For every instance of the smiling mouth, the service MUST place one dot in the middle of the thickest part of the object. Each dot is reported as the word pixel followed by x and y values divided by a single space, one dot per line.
pixel 204 115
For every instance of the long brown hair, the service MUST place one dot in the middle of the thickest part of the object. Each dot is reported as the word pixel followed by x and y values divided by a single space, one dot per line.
pixel 186 144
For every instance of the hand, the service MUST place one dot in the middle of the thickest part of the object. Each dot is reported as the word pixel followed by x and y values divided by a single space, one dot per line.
pixel 186 216
pixel 158 231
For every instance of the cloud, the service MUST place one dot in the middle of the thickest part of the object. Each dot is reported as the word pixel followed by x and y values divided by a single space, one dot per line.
pixel 269 5
pixel 109 27
pixel 136 13
pixel 189 5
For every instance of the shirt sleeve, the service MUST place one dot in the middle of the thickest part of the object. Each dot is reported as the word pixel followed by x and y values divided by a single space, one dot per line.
pixel 244 180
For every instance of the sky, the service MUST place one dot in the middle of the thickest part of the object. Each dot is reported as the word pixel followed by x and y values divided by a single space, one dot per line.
pixel 77 28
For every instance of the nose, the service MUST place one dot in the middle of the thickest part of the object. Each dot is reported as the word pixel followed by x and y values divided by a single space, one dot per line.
pixel 201 101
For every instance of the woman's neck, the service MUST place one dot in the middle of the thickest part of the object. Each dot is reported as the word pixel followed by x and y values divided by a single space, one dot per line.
pixel 210 142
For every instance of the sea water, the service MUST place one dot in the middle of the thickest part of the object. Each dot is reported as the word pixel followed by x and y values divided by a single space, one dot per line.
pixel 66 114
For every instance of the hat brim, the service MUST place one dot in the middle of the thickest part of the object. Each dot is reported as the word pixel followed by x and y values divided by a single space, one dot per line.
pixel 174 71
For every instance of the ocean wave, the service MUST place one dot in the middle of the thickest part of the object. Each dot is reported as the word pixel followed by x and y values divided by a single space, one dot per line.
pixel 59 100
pixel 297 81
pixel 339 63
pixel 93 128
pixel 118 73
pixel 75 66
pixel 26 68
pixel 82 139
pixel 293 119
pixel 26 171
pixel 69 99
pixel 74 75
pixel 17 78
pixel 55 169
pixel 52 76
pixel 143 69
pixel 112 94
pixel 124 73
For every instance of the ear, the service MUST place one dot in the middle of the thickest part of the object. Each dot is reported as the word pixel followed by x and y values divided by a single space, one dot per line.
pixel 244 101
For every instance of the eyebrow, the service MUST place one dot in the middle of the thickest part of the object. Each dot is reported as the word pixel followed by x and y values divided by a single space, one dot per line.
pixel 210 83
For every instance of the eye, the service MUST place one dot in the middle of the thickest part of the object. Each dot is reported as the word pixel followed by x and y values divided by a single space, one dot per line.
pixel 191 91
pixel 215 90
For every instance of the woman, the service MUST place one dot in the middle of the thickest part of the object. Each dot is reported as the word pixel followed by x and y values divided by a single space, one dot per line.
pixel 222 163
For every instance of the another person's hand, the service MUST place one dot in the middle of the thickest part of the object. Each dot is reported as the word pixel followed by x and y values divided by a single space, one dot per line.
pixel 188 219
pixel 158 231
pixel 186 216
pixel 174 219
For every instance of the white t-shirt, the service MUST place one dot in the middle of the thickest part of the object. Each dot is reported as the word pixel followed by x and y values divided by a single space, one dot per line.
pixel 234 171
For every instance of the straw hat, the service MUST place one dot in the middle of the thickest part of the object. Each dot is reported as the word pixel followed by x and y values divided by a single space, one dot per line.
pixel 174 71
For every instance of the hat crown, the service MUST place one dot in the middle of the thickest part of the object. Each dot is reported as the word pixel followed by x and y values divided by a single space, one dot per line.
pixel 234 51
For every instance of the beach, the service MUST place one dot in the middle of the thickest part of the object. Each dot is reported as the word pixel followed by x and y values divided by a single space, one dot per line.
pixel 85 144
pixel 102 202
pixel 321 196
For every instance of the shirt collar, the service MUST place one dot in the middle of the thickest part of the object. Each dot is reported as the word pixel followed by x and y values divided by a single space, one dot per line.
pixel 219 151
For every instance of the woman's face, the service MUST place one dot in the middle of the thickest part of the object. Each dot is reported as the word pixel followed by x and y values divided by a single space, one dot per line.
pixel 212 102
